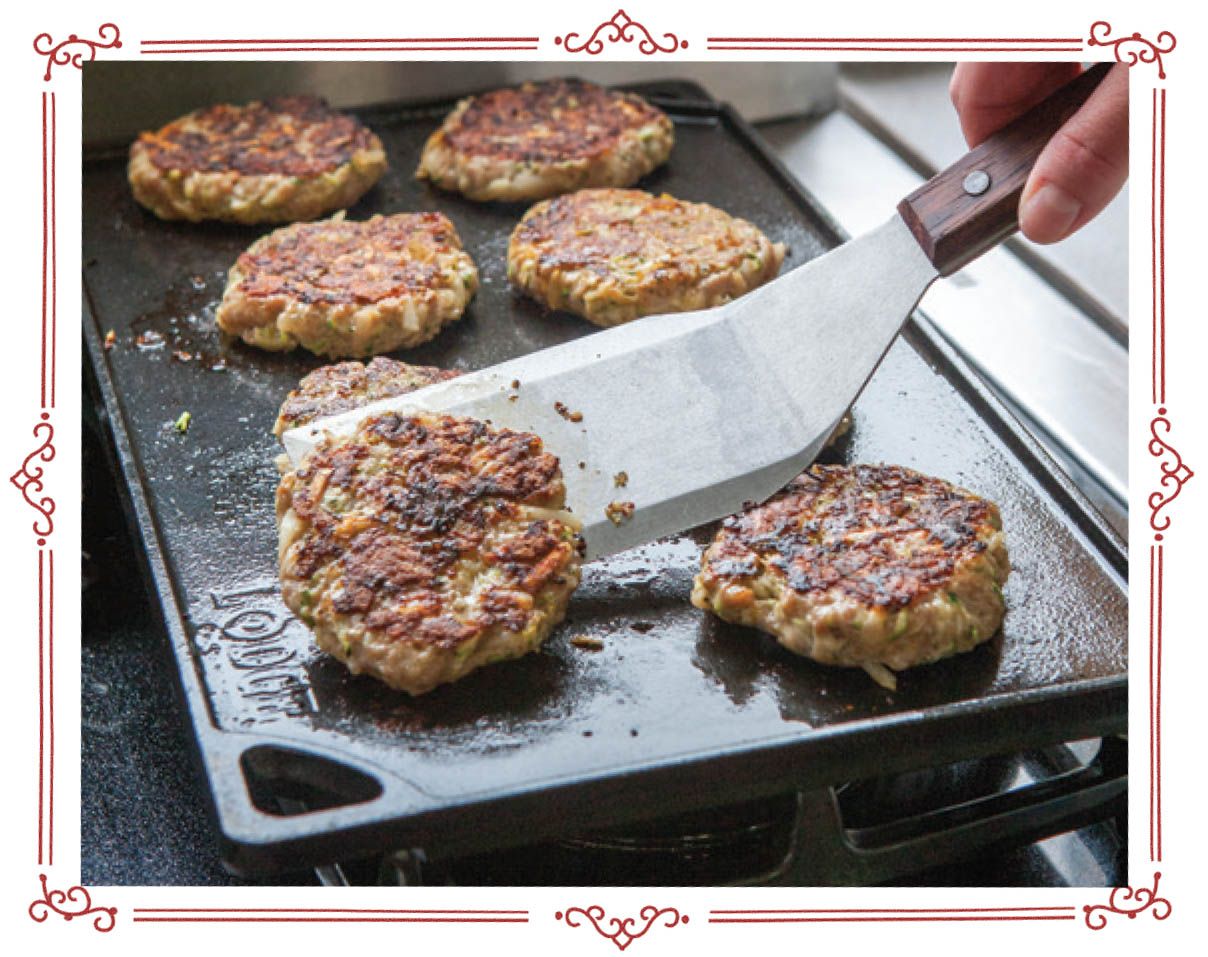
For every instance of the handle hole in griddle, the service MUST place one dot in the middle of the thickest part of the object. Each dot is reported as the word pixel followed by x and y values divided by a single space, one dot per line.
pixel 284 782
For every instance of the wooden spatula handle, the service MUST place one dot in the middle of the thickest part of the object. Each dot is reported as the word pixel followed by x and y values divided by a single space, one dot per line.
pixel 973 205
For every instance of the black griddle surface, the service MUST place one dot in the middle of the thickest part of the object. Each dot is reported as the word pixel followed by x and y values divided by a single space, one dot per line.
pixel 678 709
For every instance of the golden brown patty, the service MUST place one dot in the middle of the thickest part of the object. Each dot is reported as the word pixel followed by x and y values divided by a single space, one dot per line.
pixel 280 160
pixel 872 566
pixel 420 548
pixel 545 138
pixel 343 288
pixel 612 255
pixel 330 390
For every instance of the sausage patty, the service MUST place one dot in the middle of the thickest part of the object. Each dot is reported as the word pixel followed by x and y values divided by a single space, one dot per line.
pixel 272 161
pixel 420 548
pixel 544 138
pixel 874 566
pixel 612 255
pixel 344 288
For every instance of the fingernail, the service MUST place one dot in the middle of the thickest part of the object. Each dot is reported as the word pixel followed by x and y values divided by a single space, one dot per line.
pixel 1047 214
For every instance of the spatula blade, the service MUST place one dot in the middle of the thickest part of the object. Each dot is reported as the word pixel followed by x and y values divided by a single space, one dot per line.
pixel 686 417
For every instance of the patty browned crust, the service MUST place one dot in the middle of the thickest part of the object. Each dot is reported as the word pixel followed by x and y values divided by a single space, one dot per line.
pixel 544 138
pixel 612 255
pixel 277 160
pixel 330 390
pixel 868 565
pixel 422 547
pixel 344 288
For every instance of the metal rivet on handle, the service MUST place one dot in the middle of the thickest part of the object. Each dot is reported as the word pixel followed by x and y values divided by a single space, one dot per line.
pixel 977 182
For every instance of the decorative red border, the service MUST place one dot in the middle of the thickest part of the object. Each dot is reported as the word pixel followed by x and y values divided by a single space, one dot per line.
pixel 28 479
pixel 327 915
pixel 1132 49
pixel 894 914
pixel 58 55
pixel 889 45
pixel 1142 899
pixel 347 45
pixel 46 708
pixel 623 932
pixel 76 902
pixel 70 904
pixel 620 29
pixel 1157 234
pixel 1155 703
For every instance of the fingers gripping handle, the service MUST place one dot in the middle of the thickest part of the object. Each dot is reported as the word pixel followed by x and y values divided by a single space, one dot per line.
pixel 973 205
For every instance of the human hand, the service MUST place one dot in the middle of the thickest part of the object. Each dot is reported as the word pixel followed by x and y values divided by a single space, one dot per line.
pixel 1081 168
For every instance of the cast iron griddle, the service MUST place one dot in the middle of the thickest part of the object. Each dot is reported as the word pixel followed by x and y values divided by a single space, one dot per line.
pixel 678 710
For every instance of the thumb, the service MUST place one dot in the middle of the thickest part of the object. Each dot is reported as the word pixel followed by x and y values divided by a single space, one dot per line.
pixel 1082 167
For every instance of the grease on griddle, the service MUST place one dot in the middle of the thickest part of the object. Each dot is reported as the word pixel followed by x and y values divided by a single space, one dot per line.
pixel 150 339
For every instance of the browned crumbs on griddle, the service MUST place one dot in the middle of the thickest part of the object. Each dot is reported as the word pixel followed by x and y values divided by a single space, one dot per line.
pixel 619 512
pixel 562 410
pixel 880 534
pixel 548 121
pixel 286 135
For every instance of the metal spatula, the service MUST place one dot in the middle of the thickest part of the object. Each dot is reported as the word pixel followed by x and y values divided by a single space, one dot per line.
pixel 686 417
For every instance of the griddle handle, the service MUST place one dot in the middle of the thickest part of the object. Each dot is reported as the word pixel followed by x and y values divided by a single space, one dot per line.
pixel 973 205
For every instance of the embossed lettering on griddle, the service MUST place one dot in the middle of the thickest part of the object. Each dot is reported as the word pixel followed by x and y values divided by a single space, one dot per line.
pixel 261 663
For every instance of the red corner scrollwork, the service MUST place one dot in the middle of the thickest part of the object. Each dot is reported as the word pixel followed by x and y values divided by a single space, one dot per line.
pixel 1132 49
pixel 1141 900
pixel 73 903
pixel 622 933
pixel 58 54
pixel 622 30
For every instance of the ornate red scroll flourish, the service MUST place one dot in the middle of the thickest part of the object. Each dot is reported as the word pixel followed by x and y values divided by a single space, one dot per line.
pixel 1132 49
pixel 622 933
pixel 622 30
pixel 1174 472
pixel 58 54
pixel 1142 899
pixel 79 905
pixel 28 479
